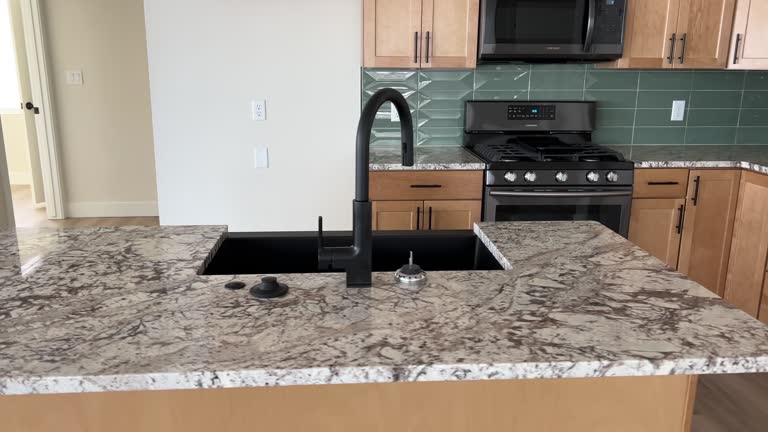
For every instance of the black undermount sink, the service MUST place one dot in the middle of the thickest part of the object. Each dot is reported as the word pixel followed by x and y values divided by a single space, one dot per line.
pixel 296 252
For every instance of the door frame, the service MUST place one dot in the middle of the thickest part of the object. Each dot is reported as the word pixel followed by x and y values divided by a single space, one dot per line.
pixel 42 96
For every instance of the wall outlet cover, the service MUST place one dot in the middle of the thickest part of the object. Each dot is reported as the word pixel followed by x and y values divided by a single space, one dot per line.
pixel 258 110
pixel 678 110
pixel 74 77
pixel 261 157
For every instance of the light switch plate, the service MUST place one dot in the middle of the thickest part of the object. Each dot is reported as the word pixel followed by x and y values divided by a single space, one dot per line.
pixel 394 116
pixel 75 77
pixel 258 110
pixel 261 157
pixel 678 110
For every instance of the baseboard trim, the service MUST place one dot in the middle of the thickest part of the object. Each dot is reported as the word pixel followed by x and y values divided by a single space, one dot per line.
pixel 112 209
pixel 20 177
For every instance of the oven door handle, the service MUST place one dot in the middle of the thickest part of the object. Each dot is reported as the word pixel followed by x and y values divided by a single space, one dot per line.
pixel 562 194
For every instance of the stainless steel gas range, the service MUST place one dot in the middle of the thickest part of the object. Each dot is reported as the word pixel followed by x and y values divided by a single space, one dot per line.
pixel 542 166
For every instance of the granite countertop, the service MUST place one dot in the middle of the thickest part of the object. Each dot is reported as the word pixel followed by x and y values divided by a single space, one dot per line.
pixel 389 158
pixel 111 309
pixel 751 158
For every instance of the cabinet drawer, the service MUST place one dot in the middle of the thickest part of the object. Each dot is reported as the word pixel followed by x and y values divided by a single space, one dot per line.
pixel 426 185
pixel 661 183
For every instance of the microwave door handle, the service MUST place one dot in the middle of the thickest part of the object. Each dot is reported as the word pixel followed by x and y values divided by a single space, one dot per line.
pixel 592 11
pixel 561 194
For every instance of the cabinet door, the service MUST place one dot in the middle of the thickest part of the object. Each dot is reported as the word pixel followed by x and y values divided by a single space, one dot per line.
pixel 704 27
pixel 749 247
pixel 708 227
pixel 450 33
pixel 391 33
pixel 656 227
pixel 451 215
pixel 650 25
pixel 750 31
pixel 397 215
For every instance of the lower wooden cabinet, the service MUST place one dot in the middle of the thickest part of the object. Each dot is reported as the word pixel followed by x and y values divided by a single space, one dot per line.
pixel 709 216
pixel 749 248
pixel 763 315
pixel 656 226
pixel 397 215
pixel 451 215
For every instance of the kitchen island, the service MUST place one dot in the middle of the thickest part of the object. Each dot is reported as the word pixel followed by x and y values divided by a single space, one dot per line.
pixel 115 329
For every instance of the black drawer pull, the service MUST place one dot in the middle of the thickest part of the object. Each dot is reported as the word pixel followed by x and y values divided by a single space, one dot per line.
pixel 663 183
pixel 426 186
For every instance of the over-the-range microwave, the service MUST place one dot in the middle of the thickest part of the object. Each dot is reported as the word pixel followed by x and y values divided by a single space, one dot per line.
pixel 551 30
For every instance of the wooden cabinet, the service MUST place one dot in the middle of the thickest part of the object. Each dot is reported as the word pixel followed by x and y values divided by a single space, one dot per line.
pixel 420 33
pixel 426 200
pixel 451 215
pixel 397 215
pixel 709 216
pixel 749 248
pixel 656 227
pixel 677 34
pixel 750 31
pixel 763 315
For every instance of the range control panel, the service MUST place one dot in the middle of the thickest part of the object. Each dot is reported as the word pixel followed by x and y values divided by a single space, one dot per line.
pixel 531 112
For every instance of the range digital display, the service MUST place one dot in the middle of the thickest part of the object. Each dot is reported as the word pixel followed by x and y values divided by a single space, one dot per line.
pixel 531 112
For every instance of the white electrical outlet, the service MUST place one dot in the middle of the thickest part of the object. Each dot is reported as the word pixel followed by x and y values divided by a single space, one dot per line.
pixel 75 77
pixel 394 116
pixel 258 110
pixel 678 110
pixel 261 157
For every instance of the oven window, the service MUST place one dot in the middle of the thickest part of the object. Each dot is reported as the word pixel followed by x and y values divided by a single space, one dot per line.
pixel 548 22
pixel 608 215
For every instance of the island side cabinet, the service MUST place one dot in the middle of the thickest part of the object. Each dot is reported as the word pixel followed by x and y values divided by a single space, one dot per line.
pixel 426 200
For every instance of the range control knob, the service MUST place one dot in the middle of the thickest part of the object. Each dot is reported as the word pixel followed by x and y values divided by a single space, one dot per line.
pixel 510 177
pixel 530 176
pixel 561 176
pixel 612 176
pixel 593 177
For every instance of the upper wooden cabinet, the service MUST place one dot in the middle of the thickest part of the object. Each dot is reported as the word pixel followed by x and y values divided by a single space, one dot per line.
pixel 677 34
pixel 750 31
pixel 420 33
pixel 709 214
pixel 749 248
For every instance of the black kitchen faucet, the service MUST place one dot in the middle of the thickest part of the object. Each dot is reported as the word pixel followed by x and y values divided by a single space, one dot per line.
pixel 356 260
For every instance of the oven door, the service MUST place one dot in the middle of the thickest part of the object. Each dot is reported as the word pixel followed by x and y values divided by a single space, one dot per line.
pixel 611 207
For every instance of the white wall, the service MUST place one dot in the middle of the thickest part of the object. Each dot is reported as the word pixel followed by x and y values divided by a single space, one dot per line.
pixel 6 205
pixel 207 60
pixel 104 127
pixel 16 148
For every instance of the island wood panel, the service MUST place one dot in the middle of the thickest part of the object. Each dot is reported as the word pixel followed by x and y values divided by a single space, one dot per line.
pixel 654 227
pixel 763 315
pixel 426 185
pixel 750 31
pixel 452 29
pixel 658 404
pixel 391 29
pixel 706 242
pixel 660 183
pixel 649 27
pixel 706 26
pixel 451 215
pixel 397 215
pixel 749 247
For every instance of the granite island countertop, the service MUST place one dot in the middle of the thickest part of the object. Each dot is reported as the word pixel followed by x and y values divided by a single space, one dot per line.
pixel 113 309
pixel 388 158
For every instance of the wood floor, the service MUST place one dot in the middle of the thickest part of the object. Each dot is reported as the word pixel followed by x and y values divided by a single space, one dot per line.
pixel 724 403
pixel 27 215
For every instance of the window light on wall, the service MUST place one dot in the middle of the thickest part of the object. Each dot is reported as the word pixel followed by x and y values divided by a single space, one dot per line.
pixel 10 96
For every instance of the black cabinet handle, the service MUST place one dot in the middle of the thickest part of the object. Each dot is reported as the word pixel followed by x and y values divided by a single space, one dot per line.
pixel 681 219
pixel 736 50
pixel 427 47
pixel 426 186
pixel 416 47
pixel 430 218
pixel 695 198
pixel 418 218
pixel 671 183
pixel 683 42
pixel 672 45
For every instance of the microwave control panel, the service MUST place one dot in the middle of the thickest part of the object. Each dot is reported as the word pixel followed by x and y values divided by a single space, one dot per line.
pixel 610 21
pixel 531 112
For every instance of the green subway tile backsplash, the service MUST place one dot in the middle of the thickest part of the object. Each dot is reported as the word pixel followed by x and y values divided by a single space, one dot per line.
pixel 634 106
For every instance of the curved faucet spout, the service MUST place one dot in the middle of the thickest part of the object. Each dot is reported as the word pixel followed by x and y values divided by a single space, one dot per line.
pixel 364 128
